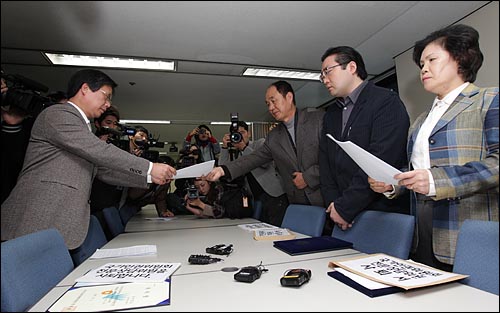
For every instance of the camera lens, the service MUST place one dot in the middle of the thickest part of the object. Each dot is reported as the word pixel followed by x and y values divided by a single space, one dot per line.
pixel 236 137
pixel 202 131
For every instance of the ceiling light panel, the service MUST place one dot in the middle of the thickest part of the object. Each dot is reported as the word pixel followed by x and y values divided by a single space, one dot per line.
pixel 110 61
pixel 281 73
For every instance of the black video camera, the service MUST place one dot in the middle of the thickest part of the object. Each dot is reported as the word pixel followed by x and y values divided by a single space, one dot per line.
pixel 187 156
pixel 115 135
pixel 235 136
pixel 24 94
pixel 151 142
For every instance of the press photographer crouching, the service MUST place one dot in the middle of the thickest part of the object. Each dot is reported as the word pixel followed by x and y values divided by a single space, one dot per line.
pixel 213 200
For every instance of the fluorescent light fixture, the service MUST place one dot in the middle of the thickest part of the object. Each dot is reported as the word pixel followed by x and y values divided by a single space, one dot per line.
pixel 281 73
pixel 110 61
pixel 220 123
pixel 144 122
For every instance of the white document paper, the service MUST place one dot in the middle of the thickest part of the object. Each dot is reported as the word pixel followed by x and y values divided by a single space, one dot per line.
pixel 255 226
pixel 113 297
pixel 196 170
pixel 365 282
pixel 370 164
pixel 126 251
pixel 165 219
pixel 393 271
pixel 272 232
pixel 130 272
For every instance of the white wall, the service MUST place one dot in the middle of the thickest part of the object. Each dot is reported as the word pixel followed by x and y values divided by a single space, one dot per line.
pixel 416 99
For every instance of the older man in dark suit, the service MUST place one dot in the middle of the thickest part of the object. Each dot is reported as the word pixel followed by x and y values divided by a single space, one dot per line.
pixel 62 159
pixel 293 146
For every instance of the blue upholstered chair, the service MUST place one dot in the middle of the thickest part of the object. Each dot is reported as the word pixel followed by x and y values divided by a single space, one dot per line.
pixel 31 266
pixel 380 232
pixel 477 254
pixel 113 220
pixel 95 239
pixel 127 211
pixel 257 209
pixel 305 219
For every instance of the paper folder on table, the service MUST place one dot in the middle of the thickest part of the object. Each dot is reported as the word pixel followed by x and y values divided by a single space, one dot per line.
pixel 364 285
pixel 311 245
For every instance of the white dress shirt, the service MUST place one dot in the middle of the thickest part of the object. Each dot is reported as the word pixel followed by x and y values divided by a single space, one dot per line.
pixel 420 158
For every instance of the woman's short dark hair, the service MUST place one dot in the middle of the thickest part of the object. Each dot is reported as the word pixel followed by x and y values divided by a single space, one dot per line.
pixel 346 54
pixel 461 42
pixel 94 78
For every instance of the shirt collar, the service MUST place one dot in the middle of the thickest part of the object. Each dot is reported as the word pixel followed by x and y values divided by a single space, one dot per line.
pixel 355 93
pixel 451 96
pixel 81 112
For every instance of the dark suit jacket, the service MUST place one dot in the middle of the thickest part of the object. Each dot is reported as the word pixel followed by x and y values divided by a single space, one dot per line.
pixel 303 158
pixel 379 124
pixel 53 188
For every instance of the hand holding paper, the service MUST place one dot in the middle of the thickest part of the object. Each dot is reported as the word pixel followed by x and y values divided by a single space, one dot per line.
pixel 196 170
pixel 370 164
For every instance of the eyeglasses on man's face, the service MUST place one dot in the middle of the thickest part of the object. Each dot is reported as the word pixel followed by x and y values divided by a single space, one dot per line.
pixel 108 96
pixel 327 70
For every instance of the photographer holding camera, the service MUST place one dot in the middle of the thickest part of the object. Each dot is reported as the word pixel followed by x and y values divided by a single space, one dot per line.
pixel 16 128
pixel 208 144
pixel 105 195
pixel 108 121
pixel 20 107
pixel 155 194
pixel 263 181
pixel 211 200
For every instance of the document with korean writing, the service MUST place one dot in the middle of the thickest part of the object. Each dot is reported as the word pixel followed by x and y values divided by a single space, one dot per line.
pixel 113 297
pixel 392 271
pixel 130 272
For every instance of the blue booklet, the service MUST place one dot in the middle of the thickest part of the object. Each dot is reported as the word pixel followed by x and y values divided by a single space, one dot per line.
pixel 311 245
pixel 371 292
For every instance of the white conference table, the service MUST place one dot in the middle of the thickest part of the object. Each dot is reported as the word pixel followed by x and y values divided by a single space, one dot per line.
pixel 217 291
pixel 144 223
pixel 175 246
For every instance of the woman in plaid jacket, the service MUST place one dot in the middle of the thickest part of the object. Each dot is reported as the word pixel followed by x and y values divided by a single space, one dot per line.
pixel 452 147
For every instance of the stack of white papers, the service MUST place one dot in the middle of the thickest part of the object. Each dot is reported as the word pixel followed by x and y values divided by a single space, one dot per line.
pixel 126 251
pixel 256 226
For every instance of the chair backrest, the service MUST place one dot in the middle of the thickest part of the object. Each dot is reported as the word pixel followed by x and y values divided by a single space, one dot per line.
pixel 127 211
pixel 114 221
pixel 95 239
pixel 257 209
pixel 477 254
pixel 380 232
pixel 305 219
pixel 31 266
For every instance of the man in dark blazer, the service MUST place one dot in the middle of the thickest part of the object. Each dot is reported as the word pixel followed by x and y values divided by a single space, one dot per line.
pixel 62 159
pixel 292 145
pixel 373 118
